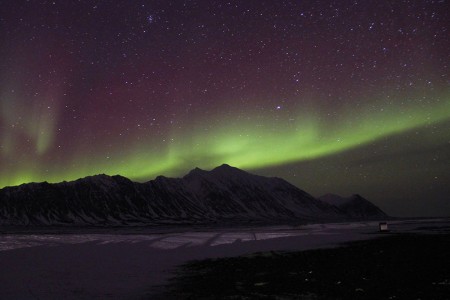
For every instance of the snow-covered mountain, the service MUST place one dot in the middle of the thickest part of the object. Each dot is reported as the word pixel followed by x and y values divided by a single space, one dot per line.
pixel 225 194
pixel 355 206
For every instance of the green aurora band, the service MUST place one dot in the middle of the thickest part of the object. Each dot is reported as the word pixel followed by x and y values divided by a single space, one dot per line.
pixel 251 144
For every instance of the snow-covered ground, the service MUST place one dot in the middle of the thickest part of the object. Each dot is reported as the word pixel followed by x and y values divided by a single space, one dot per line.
pixel 127 264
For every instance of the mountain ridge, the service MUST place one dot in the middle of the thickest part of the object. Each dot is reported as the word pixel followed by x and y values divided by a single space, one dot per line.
pixel 224 194
pixel 354 206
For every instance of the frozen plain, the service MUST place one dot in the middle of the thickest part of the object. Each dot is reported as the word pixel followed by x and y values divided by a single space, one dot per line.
pixel 133 263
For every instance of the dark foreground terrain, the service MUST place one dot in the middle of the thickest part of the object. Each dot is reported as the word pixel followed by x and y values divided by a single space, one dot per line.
pixel 401 266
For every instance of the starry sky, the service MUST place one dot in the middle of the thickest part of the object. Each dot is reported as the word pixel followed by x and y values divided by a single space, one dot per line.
pixel 334 96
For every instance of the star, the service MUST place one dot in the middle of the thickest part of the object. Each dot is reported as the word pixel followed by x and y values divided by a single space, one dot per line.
pixel 259 84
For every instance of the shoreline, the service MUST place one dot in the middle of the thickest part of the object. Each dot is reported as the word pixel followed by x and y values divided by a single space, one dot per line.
pixel 134 265
pixel 156 228
pixel 395 266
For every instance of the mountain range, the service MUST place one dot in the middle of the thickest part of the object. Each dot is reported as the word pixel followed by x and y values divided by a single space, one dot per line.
pixel 221 196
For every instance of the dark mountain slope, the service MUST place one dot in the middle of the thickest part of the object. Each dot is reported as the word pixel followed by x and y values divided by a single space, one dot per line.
pixel 355 206
pixel 223 194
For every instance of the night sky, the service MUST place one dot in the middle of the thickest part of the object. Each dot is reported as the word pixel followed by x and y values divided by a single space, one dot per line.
pixel 334 96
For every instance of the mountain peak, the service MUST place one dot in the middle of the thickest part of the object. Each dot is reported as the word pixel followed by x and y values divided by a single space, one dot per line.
pixel 225 166
pixel 220 171
pixel 102 179
pixel 333 199
pixel 226 169
pixel 195 172
pixel 97 177
pixel 355 206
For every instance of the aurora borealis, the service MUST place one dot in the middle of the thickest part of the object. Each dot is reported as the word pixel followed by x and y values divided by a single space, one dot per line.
pixel 334 96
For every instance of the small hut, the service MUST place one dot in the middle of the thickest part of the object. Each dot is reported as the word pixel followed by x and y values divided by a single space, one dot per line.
pixel 383 227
